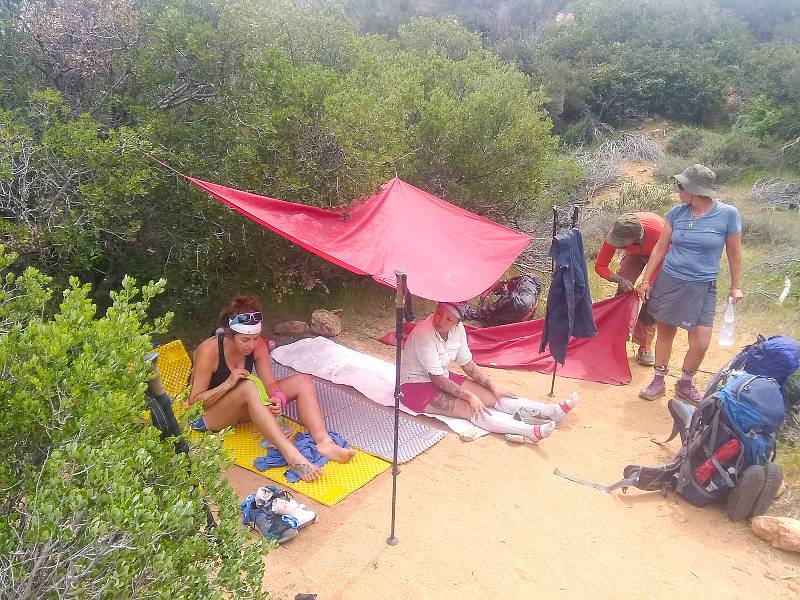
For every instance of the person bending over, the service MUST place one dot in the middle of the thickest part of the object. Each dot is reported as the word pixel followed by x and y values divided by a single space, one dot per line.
pixel 428 386
pixel 685 293
pixel 221 364
pixel 637 234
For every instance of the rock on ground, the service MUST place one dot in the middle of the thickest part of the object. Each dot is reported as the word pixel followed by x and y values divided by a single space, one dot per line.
pixel 324 322
pixel 291 328
pixel 781 532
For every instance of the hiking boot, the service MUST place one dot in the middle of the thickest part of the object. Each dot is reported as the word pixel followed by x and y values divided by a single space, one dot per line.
pixel 685 390
pixel 655 389
pixel 644 358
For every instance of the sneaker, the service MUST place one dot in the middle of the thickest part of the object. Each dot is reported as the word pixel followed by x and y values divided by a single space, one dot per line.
pixel 655 389
pixel 685 390
pixel 530 416
pixel 301 514
pixel 273 527
pixel 540 431
pixel 644 358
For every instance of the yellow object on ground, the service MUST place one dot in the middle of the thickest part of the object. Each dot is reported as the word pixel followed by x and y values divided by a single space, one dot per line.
pixel 174 366
pixel 337 482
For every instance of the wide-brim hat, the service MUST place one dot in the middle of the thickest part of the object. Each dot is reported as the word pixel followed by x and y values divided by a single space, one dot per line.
pixel 697 180
pixel 627 227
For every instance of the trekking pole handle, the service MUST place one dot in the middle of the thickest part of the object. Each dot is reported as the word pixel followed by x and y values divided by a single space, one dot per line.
pixel 400 296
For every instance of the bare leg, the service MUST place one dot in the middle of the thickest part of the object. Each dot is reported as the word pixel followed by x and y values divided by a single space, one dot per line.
pixel 666 335
pixel 242 404
pixel 699 340
pixel 481 392
pixel 300 388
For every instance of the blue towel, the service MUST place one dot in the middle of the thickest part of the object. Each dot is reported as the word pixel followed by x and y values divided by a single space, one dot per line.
pixel 307 447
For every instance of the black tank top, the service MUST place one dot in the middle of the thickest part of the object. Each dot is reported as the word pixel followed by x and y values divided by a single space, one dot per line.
pixel 223 372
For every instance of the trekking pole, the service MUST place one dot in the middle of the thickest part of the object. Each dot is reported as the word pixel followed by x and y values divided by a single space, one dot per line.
pixel 552 271
pixel 399 304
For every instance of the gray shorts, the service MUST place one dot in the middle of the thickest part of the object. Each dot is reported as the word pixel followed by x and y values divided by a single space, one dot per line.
pixel 684 304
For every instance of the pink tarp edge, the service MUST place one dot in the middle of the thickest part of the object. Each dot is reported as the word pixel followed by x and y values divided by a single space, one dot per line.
pixel 447 252
pixel 603 358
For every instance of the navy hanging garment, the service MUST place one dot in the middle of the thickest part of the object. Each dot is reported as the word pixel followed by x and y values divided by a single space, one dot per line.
pixel 569 303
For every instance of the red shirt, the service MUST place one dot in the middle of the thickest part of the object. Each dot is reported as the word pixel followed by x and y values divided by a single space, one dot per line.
pixel 652 224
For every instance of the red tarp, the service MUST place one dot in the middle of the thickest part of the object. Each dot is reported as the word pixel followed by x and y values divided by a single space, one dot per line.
pixel 603 358
pixel 448 253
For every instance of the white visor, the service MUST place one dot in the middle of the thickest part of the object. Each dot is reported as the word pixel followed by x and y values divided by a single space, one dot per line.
pixel 248 329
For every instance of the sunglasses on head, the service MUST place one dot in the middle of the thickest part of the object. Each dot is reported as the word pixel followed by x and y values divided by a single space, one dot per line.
pixel 252 318
pixel 678 183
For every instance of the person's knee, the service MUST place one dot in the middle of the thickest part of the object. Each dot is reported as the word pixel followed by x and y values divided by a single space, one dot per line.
pixel 248 391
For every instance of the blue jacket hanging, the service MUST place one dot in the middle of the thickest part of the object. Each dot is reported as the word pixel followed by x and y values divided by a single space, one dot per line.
pixel 569 303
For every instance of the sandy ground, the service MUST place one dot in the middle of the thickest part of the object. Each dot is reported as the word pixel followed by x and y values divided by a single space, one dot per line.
pixel 489 519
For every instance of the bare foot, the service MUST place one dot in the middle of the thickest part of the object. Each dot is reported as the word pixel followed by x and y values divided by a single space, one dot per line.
pixel 305 470
pixel 337 453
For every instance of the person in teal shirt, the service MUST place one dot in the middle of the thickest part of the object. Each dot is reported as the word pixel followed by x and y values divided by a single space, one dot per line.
pixel 685 293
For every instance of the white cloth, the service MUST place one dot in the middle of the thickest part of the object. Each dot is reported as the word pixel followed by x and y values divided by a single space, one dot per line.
pixel 371 376
pixel 426 353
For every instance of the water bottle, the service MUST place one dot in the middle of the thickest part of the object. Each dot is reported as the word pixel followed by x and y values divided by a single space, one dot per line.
pixel 728 325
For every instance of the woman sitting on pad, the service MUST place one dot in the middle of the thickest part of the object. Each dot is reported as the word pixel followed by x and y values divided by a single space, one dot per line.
pixel 221 365
pixel 428 386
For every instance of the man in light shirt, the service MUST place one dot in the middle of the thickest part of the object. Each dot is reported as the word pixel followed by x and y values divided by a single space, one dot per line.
pixel 429 386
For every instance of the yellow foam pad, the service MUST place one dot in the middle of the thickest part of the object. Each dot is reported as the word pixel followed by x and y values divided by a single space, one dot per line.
pixel 174 366
pixel 337 482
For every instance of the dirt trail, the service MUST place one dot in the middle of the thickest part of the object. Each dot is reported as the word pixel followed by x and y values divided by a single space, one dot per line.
pixel 488 519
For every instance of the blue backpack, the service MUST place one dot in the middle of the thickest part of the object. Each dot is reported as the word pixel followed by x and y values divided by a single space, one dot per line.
pixel 776 357
pixel 753 407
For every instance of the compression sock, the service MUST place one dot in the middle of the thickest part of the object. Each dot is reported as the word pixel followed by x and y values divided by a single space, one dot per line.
pixel 556 412
pixel 503 424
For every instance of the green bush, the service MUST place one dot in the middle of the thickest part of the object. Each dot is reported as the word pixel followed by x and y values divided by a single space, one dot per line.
pixel 95 505
pixel 686 142
pixel 637 197
pixel 668 166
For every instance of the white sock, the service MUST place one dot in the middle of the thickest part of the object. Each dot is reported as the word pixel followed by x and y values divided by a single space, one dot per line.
pixel 556 412
pixel 502 424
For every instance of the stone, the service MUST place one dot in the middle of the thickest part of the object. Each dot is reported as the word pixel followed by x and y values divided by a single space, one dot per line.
pixel 781 532
pixel 291 328
pixel 324 322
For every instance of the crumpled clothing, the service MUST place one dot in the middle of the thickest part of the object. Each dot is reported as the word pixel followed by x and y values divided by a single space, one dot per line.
pixel 307 447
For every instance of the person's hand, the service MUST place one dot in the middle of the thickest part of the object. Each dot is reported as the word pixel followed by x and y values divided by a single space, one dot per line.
pixel 735 294
pixel 624 285
pixel 236 376
pixel 643 289
pixel 476 405
pixel 275 408
pixel 503 394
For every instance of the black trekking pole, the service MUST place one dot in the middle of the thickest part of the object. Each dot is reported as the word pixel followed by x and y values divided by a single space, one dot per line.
pixel 552 271
pixel 399 304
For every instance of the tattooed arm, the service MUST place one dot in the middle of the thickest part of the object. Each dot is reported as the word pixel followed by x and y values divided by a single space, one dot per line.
pixel 479 377
pixel 448 386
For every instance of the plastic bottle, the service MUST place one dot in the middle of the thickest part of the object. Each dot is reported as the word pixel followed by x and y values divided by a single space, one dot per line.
pixel 718 483
pixel 728 326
